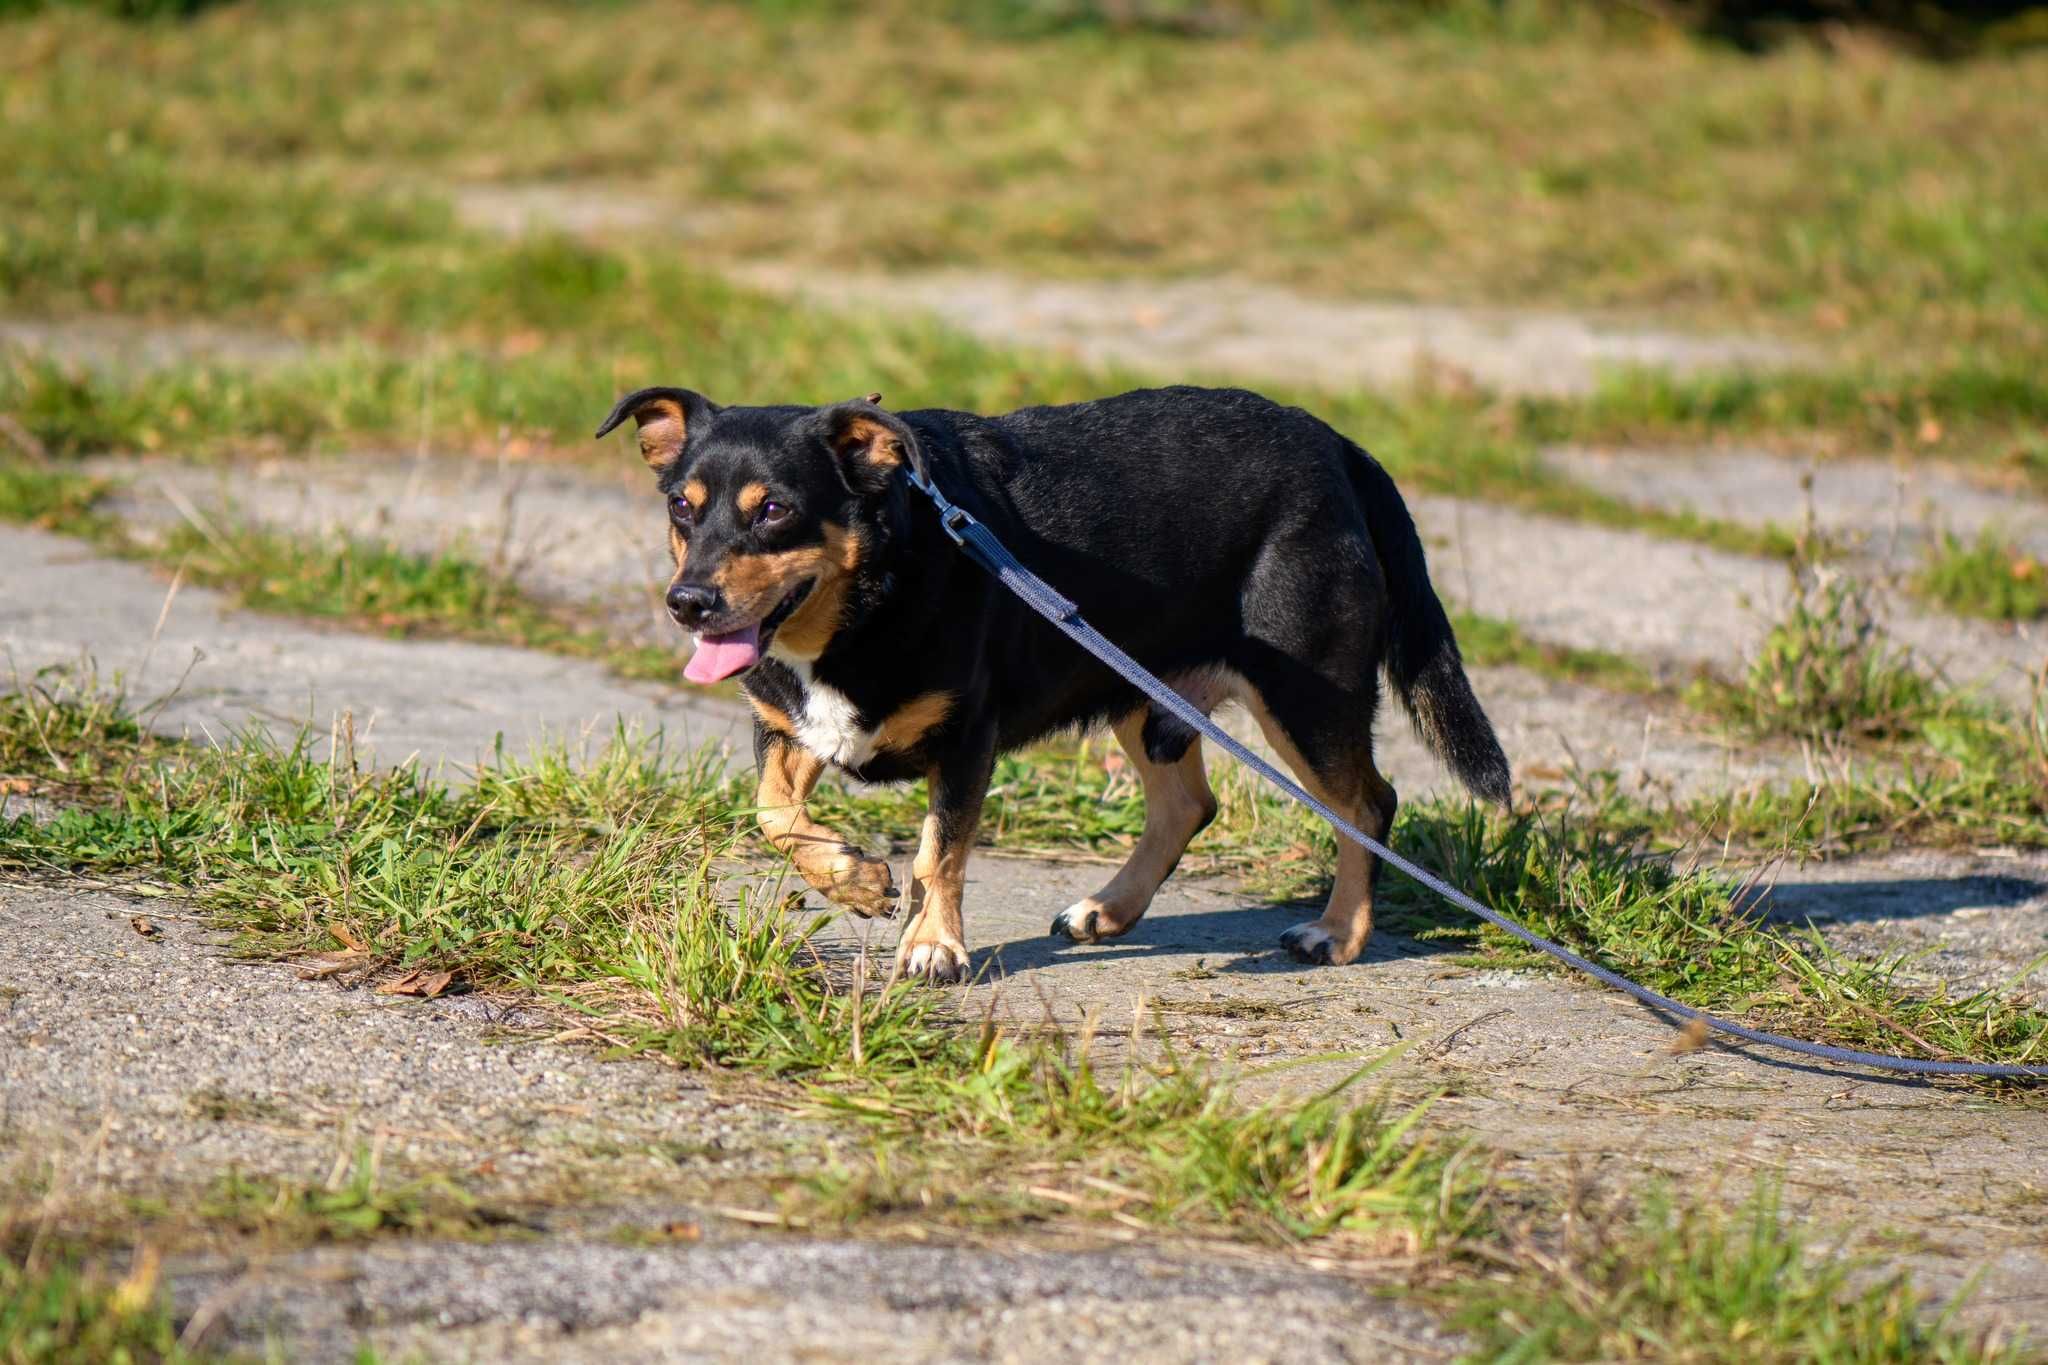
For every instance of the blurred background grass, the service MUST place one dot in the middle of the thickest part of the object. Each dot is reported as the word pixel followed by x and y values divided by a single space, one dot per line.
pixel 1870 180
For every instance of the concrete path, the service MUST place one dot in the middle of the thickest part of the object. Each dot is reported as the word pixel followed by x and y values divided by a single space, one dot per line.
pixel 1264 334
pixel 1888 510
pixel 151 1066
pixel 1674 604
pixel 200 669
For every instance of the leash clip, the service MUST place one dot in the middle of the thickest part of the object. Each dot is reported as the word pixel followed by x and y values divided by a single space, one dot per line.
pixel 954 520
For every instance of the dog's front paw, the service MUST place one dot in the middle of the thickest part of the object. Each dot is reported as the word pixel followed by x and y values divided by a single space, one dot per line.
pixel 939 960
pixel 862 884
pixel 1310 942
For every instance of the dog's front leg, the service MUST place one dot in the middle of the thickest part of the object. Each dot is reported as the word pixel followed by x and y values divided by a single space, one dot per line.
pixel 788 772
pixel 934 943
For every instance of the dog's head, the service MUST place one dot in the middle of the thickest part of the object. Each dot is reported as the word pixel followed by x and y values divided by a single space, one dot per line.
pixel 766 514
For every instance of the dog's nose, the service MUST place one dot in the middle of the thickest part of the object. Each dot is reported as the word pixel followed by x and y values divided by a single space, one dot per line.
pixel 691 603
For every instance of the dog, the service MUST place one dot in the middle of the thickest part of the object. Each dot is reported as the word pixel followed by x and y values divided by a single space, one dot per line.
pixel 1240 550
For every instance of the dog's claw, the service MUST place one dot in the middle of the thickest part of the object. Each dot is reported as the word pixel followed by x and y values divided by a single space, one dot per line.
pixel 942 964
pixel 1308 943
pixel 1078 923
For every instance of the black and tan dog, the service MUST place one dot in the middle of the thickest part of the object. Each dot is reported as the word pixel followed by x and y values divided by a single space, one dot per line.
pixel 1241 550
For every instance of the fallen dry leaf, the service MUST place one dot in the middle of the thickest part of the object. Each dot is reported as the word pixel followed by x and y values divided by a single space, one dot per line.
pixel 348 938
pixel 144 926
pixel 425 985
pixel 14 786
pixel 1691 1038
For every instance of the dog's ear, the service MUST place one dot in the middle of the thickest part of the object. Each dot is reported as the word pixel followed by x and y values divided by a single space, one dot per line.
pixel 870 443
pixel 666 418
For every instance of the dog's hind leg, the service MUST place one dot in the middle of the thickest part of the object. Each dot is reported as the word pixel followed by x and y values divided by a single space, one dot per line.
pixel 862 884
pixel 1339 771
pixel 1178 803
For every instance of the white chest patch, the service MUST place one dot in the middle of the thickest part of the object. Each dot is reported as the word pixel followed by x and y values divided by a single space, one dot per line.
pixel 830 724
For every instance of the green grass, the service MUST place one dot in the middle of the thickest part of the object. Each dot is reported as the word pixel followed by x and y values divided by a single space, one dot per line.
pixel 1873 198
pixel 1987 577
pixel 46 497
pixel 1488 641
pixel 1827 670
pixel 1689 1283
pixel 380 587
pixel 592 887
pixel 54 1308
pixel 356 1203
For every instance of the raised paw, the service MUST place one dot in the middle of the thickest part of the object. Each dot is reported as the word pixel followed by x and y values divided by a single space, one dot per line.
pixel 1310 942
pixel 863 885
pixel 940 963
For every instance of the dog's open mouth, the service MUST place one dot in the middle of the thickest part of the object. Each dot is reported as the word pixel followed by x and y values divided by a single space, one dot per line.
pixel 720 656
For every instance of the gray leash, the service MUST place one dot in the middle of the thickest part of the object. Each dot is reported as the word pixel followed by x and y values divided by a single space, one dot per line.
pixel 981 545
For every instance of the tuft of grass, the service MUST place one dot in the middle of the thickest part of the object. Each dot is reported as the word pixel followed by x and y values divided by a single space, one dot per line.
pixel 355 1203
pixel 1827 670
pixel 54 1307
pixel 51 498
pixel 1987 577
pixel 1692 1283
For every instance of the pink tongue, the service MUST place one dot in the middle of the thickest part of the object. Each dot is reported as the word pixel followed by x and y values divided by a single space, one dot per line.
pixel 721 656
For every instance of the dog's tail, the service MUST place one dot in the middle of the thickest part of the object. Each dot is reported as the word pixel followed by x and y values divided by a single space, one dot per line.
pixel 1422 653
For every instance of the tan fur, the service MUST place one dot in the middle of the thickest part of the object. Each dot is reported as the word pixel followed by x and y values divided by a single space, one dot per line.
pixel 663 430
pixel 772 716
pixel 811 626
pixel 937 884
pixel 751 497
pixel 1354 791
pixel 906 726
pixel 822 858
pixel 696 494
pixel 1178 803
pixel 678 548
pixel 876 443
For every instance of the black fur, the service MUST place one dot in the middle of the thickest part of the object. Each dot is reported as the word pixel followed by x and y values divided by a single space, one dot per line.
pixel 1198 528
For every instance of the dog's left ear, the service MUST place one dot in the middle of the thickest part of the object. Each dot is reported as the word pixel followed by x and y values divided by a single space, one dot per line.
pixel 871 443
pixel 666 418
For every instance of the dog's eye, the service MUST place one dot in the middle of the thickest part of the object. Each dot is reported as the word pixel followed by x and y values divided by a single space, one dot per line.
pixel 772 514
pixel 680 510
